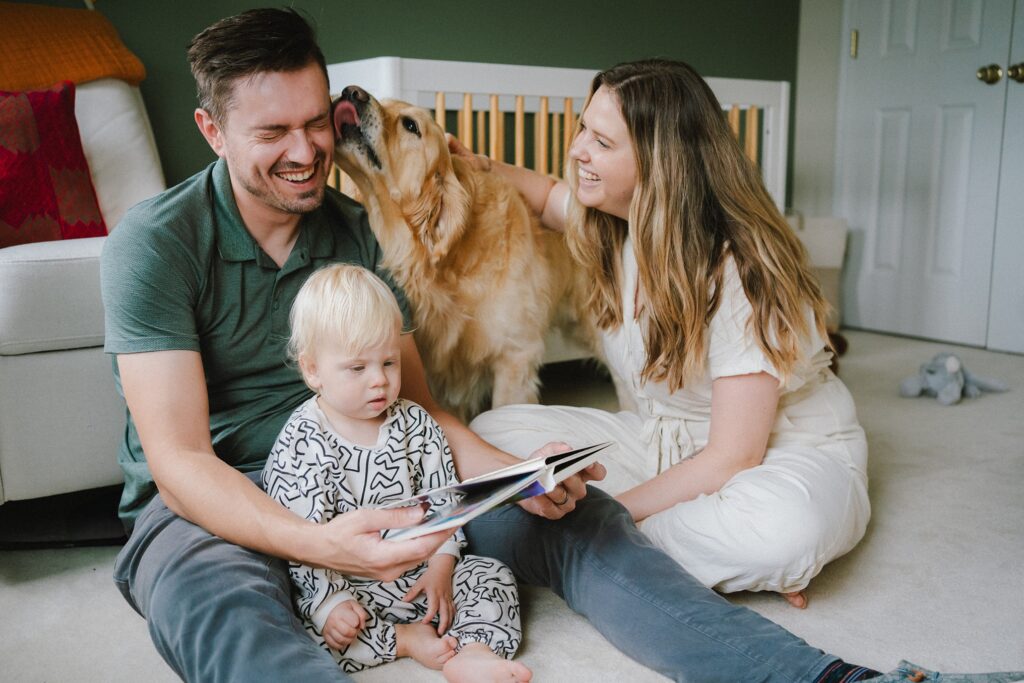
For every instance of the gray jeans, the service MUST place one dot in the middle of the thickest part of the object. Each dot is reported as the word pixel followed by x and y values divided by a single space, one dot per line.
pixel 219 612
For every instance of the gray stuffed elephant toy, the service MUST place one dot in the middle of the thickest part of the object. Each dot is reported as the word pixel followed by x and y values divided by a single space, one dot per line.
pixel 945 378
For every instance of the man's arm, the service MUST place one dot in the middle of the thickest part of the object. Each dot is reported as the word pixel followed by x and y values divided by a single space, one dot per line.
pixel 474 456
pixel 167 396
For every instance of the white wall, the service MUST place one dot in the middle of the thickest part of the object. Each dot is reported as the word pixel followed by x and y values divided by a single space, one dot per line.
pixel 817 90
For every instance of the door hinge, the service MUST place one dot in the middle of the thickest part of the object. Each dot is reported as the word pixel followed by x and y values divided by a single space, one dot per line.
pixel 854 35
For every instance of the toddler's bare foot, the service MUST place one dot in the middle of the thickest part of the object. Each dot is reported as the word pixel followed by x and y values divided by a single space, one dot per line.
pixel 421 642
pixel 796 598
pixel 477 663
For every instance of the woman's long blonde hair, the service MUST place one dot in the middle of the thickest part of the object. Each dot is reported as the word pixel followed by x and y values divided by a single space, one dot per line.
pixel 697 198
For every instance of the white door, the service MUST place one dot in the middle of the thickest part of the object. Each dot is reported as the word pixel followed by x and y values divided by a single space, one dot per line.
pixel 1006 310
pixel 918 160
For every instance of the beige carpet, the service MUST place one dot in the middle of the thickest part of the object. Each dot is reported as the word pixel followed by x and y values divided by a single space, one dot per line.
pixel 939 578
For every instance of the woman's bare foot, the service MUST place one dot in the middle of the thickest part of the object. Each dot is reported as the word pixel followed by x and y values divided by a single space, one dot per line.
pixel 477 663
pixel 796 599
pixel 421 642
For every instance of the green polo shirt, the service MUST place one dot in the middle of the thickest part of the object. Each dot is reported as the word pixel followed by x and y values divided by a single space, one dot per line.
pixel 181 272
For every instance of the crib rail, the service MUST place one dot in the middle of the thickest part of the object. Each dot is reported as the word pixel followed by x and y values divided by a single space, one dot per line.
pixel 526 115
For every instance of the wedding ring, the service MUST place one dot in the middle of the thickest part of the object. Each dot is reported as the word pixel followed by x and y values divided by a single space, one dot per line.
pixel 562 502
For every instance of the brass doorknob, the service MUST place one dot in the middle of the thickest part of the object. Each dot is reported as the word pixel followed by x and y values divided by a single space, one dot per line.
pixel 990 74
pixel 1016 72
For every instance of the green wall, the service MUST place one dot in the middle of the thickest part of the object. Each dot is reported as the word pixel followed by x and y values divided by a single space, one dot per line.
pixel 729 38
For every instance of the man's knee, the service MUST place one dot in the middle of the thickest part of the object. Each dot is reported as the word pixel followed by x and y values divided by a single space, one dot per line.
pixel 599 509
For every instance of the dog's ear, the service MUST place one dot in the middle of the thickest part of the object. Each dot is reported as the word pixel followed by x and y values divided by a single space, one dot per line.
pixel 441 211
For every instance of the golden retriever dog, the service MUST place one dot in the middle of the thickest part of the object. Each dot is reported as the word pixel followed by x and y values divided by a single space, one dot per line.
pixel 485 280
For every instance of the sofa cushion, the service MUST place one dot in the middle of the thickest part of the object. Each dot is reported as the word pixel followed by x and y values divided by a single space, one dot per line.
pixel 50 296
pixel 46 192
pixel 119 146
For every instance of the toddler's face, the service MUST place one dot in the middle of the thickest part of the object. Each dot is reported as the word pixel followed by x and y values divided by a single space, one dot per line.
pixel 356 386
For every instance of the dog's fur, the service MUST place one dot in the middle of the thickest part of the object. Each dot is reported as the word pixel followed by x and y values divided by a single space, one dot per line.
pixel 484 278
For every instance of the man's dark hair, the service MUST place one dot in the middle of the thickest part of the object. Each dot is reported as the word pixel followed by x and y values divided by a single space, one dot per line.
pixel 253 42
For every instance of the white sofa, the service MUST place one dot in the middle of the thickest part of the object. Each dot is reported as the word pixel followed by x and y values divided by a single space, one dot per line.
pixel 60 415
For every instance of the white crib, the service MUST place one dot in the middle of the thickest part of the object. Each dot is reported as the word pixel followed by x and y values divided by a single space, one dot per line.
pixel 542 103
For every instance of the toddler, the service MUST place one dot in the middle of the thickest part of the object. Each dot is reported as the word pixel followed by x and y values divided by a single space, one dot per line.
pixel 356 443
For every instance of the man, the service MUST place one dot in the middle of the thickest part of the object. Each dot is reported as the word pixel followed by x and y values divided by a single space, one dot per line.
pixel 197 284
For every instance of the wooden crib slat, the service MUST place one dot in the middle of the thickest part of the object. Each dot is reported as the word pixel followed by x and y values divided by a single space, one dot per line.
pixel 520 132
pixel 460 122
pixel 465 132
pixel 752 139
pixel 734 120
pixel 439 110
pixel 540 136
pixel 556 148
pixel 500 132
pixel 495 115
pixel 481 132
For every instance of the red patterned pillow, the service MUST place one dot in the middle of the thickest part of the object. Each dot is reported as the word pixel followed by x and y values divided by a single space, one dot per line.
pixel 46 192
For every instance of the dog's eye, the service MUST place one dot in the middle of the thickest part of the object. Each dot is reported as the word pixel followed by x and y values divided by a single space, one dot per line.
pixel 410 125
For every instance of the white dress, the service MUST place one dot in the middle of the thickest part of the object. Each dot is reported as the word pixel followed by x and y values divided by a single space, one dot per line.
pixel 772 527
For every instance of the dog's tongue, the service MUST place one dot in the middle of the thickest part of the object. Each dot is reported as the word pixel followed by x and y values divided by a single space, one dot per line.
pixel 345 114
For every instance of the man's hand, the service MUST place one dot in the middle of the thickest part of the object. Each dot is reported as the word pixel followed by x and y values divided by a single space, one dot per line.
pixel 436 584
pixel 562 499
pixel 351 543
pixel 344 623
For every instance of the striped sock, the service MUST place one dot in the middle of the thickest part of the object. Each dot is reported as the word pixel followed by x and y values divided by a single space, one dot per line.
pixel 841 672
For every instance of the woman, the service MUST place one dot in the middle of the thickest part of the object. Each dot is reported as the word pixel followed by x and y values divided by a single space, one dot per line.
pixel 744 459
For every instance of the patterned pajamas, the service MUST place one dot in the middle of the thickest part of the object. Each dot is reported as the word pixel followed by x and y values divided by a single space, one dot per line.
pixel 486 611
pixel 318 474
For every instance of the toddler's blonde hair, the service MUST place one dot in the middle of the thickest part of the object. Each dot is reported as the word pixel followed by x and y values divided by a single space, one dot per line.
pixel 343 305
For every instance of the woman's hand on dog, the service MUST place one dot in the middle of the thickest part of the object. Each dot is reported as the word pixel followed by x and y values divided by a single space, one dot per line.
pixel 561 500
pixel 456 148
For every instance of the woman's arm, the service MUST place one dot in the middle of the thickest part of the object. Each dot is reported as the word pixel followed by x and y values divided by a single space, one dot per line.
pixel 543 194
pixel 743 411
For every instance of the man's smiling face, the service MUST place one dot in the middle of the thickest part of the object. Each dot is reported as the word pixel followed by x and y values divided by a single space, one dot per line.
pixel 278 140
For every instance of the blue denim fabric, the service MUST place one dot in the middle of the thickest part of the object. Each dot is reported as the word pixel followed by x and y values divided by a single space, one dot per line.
pixel 912 673
pixel 639 598
pixel 216 611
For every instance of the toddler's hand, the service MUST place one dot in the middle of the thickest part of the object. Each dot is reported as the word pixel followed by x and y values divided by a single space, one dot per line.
pixel 344 623
pixel 436 584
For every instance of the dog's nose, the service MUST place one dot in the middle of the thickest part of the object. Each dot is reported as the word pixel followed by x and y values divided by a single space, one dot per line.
pixel 354 93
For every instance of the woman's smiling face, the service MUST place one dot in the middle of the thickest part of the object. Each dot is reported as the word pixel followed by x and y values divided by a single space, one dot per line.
pixel 603 155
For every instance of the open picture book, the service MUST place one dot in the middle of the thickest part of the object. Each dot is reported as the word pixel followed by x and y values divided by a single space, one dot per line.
pixel 475 496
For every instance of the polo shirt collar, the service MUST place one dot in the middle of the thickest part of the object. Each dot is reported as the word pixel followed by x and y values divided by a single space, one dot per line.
pixel 234 242
pixel 317 232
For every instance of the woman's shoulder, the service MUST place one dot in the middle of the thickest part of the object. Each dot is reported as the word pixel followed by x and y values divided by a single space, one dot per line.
pixel 732 344
pixel 732 296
